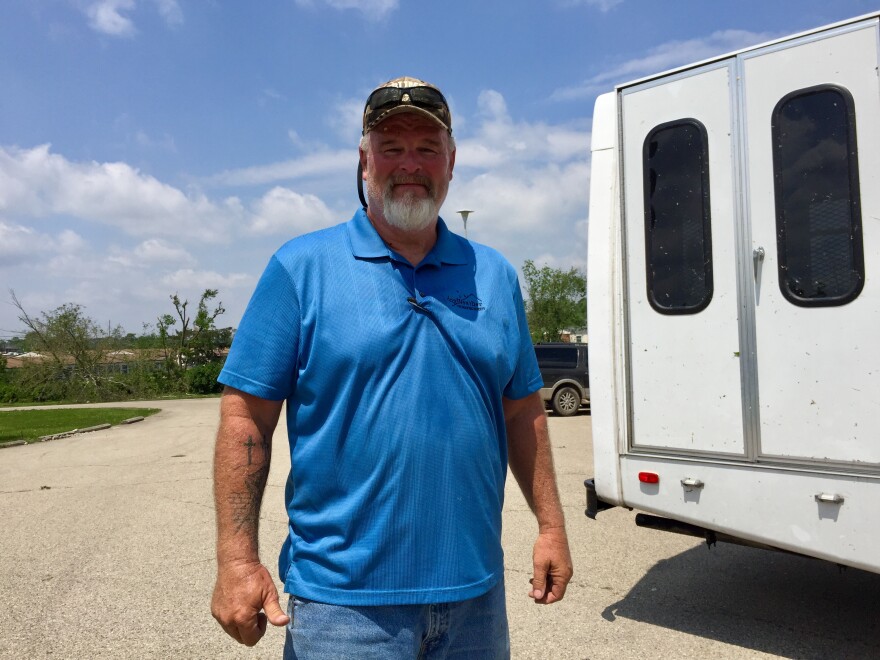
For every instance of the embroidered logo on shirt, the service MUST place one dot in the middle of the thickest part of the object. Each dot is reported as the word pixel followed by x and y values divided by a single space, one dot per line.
pixel 466 301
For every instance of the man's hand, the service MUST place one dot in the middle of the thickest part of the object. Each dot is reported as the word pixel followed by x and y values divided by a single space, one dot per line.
pixel 552 566
pixel 241 592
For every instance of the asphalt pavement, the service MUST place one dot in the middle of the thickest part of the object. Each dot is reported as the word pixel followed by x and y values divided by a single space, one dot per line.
pixel 107 551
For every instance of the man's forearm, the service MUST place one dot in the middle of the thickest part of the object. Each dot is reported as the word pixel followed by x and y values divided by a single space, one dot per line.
pixel 239 481
pixel 531 460
pixel 241 468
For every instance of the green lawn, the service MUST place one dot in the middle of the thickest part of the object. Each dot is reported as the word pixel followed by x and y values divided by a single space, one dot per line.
pixel 32 424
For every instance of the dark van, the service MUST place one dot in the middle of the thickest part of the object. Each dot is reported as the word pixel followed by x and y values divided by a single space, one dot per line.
pixel 564 368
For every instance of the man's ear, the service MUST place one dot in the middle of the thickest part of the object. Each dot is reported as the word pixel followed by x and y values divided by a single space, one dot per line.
pixel 363 157
pixel 451 163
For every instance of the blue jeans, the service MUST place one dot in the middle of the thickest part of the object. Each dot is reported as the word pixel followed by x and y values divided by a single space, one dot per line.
pixel 473 629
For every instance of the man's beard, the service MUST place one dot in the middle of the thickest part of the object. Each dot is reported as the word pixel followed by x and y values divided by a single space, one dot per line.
pixel 409 212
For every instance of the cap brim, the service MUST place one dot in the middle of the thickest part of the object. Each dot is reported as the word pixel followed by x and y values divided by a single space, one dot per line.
pixel 398 109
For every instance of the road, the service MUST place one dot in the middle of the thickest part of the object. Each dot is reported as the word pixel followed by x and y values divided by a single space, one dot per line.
pixel 106 551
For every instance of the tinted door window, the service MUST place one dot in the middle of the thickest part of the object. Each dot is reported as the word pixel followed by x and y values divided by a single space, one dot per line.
pixel 678 245
pixel 818 217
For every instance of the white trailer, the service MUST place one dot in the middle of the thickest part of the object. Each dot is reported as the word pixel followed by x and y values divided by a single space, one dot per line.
pixel 734 296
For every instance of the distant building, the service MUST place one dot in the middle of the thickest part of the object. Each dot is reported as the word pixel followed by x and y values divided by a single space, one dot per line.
pixel 574 336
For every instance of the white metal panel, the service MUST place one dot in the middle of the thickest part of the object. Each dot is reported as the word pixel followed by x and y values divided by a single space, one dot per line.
pixel 684 368
pixel 607 384
pixel 818 368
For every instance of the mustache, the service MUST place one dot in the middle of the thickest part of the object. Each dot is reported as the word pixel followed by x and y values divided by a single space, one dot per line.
pixel 404 179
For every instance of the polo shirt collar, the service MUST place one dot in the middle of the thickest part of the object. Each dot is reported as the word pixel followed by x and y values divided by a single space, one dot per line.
pixel 365 240
pixel 367 244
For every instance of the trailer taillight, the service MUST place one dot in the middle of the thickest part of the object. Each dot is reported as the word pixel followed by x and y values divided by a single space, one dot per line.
pixel 649 477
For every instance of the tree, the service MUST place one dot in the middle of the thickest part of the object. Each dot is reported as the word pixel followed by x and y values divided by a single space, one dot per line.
pixel 73 351
pixel 556 300
pixel 199 340
pixel 163 323
pixel 78 360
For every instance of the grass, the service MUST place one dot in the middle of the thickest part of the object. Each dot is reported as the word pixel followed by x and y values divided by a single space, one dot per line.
pixel 140 399
pixel 31 424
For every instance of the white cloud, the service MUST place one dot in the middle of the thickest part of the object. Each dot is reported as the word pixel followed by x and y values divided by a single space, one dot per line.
pixel 500 141
pixel 125 285
pixel 36 182
pixel 372 9
pixel 106 16
pixel 268 96
pixel 165 142
pixel 20 245
pixel 189 279
pixel 109 16
pixel 601 5
pixel 170 12
pixel 527 202
pixel 283 211
pixel 528 184
pixel 155 250
pixel 316 164
pixel 666 56
pixel 347 119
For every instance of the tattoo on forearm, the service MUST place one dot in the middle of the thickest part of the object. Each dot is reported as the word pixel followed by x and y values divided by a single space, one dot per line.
pixel 245 504
pixel 250 444
pixel 264 445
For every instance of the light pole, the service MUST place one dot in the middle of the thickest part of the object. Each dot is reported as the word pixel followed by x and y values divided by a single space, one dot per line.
pixel 464 216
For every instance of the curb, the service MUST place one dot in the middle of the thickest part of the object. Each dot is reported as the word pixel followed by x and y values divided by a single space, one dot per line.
pixel 67 434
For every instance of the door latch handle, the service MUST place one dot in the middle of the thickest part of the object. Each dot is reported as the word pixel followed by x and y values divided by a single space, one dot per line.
pixel 829 498
pixel 758 258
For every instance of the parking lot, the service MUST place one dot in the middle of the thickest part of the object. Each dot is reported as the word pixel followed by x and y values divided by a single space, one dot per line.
pixel 107 551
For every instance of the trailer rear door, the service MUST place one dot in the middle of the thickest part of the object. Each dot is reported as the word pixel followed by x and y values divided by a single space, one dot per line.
pixel 812 136
pixel 681 263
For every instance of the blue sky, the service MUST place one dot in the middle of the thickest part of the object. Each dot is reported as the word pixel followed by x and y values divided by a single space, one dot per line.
pixel 149 147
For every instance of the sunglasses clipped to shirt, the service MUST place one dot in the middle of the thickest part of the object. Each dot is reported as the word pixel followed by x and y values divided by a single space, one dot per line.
pixel 384 99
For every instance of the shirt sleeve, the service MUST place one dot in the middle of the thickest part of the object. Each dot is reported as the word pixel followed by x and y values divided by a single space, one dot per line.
pixel 265 350
pixel 526 377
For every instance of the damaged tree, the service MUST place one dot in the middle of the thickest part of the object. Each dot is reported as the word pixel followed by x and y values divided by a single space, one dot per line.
pixel 69 354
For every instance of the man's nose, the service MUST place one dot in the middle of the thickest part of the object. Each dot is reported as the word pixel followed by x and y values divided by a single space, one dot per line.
pixel 410 162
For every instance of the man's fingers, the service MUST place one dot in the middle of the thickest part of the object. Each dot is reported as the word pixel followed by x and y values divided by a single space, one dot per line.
pixel 253 631
pixel 232 631
pixel 539 582
pixel 552 568
pixel 558 590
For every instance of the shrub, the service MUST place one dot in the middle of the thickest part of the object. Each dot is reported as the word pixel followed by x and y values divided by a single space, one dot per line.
pixel 9 393
pixel 203 378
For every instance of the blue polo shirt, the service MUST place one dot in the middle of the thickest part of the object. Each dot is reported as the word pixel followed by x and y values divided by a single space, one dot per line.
pixel 393 377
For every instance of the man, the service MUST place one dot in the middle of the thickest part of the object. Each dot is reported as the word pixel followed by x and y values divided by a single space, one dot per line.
pixel 410 379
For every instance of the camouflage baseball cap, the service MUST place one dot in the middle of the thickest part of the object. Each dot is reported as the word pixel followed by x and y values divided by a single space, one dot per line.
pixel 406 94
